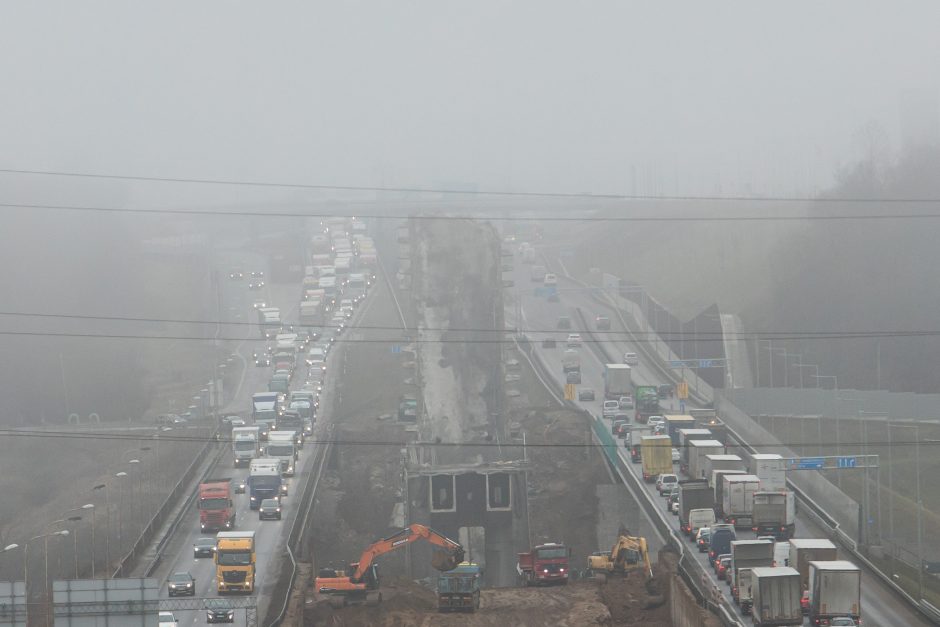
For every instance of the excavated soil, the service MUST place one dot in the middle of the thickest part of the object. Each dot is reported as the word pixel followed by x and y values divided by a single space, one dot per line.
pixel 407 604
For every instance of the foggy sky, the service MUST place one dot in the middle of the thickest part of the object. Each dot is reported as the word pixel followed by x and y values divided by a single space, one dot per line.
pixel 692 97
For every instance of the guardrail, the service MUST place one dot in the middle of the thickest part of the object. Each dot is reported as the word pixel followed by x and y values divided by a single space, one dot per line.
pixel 689 568
pixel 835 533
pixel 812 508
pixel 129 561
pixel 181 513
pixel 299 526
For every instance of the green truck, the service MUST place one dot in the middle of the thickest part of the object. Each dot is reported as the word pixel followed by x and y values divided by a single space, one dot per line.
pixel 647 402
pixel 459 589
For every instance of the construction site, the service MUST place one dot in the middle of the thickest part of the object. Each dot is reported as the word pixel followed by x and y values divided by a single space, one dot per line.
pixel 499 502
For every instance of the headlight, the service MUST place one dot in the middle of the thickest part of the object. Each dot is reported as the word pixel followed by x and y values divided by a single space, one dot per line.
pixel 278 509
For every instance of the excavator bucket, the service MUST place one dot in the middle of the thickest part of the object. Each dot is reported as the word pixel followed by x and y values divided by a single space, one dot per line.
pixel 444 561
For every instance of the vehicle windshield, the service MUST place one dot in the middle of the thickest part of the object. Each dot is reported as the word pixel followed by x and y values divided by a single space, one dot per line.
pixel 245 445
pixel 265 481
pixel 280 449
pixel 546 554
pixel 180 578
pixel 269 503
pixel 214 503
pixel 234 558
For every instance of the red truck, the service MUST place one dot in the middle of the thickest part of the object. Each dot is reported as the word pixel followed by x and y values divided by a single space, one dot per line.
pixel 544 564
pixel 216 509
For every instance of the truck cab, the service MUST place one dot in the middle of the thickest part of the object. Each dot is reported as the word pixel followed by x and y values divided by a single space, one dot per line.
pixel 235 562
pixel 281 446
pixel 216 509
pixel 544 564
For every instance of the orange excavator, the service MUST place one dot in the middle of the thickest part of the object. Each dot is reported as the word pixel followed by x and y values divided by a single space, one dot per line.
pixel 360 580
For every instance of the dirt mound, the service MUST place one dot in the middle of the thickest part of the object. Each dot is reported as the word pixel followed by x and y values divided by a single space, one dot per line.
pixel 408 604
pixel 635 599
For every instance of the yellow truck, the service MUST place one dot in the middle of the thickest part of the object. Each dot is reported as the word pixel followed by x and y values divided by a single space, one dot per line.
pixel 656 451
pixel 235 562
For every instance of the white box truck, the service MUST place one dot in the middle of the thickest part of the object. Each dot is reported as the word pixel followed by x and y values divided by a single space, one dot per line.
pixel 737 499
pixel 746 555
pixel 245 445
pixel 806 550
pixel 282 446
pixel 618 381
pixel 772 470
pixel 834 590
pixel 721 462
pixel 698 449
pixel 775 597
pixel 774 513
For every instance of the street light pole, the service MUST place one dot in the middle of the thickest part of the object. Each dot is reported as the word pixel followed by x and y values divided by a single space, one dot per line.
pixel 120 541
pixel 920 504
pixel 91 506
pixel 107 524
pixel 26 568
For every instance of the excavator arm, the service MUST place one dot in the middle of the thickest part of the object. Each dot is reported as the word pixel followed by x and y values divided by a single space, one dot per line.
pixel 621 550
pixel 447 559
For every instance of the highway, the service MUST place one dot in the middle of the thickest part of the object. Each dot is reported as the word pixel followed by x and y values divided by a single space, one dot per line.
pixel 271 535
pixel 880 607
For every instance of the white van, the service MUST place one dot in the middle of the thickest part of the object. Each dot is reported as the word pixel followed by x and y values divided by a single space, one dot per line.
pixel 699 518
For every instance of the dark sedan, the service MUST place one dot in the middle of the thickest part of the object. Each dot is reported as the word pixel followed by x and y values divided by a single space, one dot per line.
pixel 270 509
pixel 219 611
pixel 204 547
pixel 181 584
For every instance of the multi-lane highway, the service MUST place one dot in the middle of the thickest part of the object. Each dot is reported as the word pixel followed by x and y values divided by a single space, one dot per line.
pixel 880 607
pixel 270 535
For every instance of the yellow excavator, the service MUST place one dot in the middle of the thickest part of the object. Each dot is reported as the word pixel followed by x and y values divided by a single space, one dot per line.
pixel 628 554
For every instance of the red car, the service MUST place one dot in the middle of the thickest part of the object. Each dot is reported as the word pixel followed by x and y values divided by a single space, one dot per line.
pixel 804 602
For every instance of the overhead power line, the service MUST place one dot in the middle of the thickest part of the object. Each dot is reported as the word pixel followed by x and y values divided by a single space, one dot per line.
pixel 170 437
pixel 446 190
pixel 398 340
pixel 610 334
pixel 492 218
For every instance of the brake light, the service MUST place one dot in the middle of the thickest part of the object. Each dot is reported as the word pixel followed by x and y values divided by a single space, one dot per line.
pixel 754 529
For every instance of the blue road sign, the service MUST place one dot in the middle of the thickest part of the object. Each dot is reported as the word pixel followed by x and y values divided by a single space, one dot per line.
pixel 810 463
pixel 676 363
pixel 847 462
pixel 396 349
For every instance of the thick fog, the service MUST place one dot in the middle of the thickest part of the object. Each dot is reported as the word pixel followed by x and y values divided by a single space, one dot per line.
pixel 612 96
pixel 603 97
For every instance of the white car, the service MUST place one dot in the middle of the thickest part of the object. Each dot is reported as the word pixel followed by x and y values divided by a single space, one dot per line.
pixel 631 359
pixel 166 619
pixel 656 420
pixel 666 481
pixel 574 340
pixel 675 456
pixel 611 409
